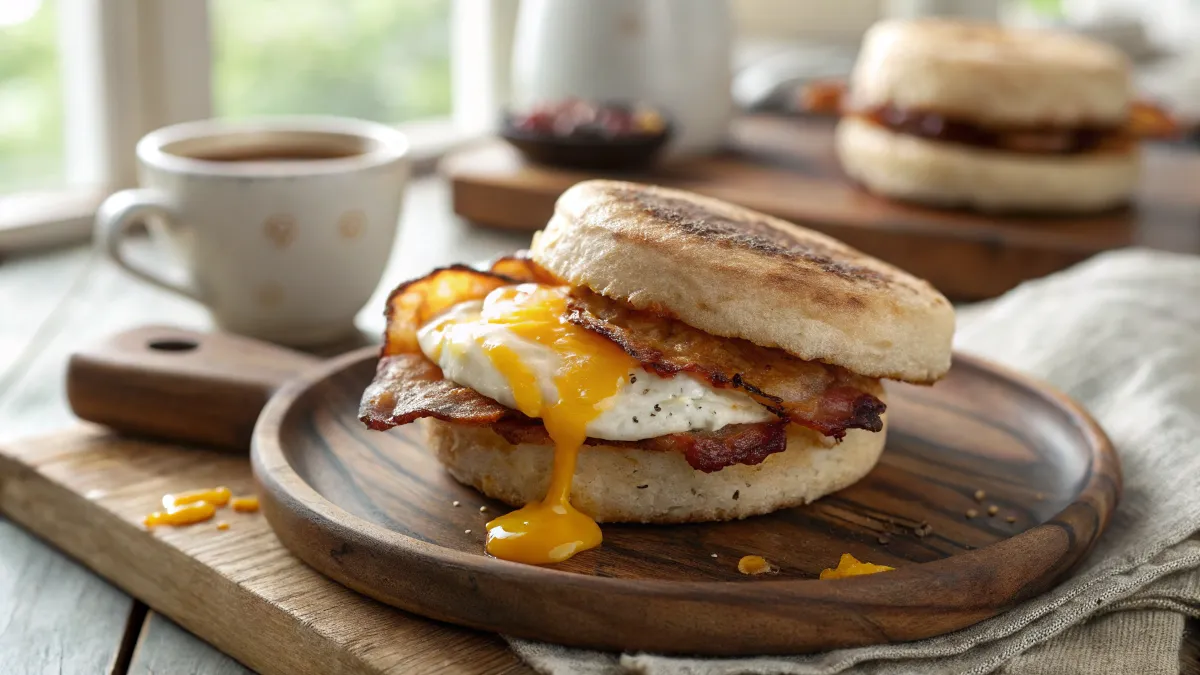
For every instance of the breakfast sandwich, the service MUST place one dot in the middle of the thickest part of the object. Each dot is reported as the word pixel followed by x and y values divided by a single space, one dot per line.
pixel 657 357
pixel 997 119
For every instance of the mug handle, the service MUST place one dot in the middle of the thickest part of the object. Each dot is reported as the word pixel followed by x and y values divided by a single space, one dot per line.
pixel 113 219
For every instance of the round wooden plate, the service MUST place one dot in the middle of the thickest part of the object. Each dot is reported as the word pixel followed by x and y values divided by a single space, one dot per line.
pixel 376 512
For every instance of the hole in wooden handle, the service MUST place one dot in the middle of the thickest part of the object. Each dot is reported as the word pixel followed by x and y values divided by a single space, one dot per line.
pixel 173 345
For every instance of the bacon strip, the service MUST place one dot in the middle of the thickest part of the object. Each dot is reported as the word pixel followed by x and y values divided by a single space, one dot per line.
pixel 819 396
pixel 706 451
pixel 413 303
pixel 522 268
pixel 1146 120
pixel 822 97
pixel 408 386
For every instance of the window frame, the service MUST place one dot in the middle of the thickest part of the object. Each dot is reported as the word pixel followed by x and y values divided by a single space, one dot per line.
pixel 132 66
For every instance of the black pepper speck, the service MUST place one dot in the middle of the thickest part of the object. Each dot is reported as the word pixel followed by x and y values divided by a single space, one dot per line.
pixel 657 408
pixel 635 419
pixel 633 379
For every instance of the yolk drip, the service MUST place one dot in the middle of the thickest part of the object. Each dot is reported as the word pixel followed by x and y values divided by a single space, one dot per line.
pixel 186 514
pixel 849 566
pixel 245 504
pixel 755 564
pixel 218 496
pixel 591 369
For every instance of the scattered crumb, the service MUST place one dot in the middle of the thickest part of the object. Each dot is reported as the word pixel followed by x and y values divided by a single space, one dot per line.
pixel 980 495
pixel 883 539
pixel 755 564
pixel 922 530
pixel 736 494
pixel 222 526
pixel 1039 496
pixel 993 510
pixel 714 555
pixel 466 532
pixel 971 513
pixel 483 509
pixel 849 566
pixel 454 503
pixel 1011 519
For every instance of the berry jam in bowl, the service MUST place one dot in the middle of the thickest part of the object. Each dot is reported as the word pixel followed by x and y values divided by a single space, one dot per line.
pixel 584 135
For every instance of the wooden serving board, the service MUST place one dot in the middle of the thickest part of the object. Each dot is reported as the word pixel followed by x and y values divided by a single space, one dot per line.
pixel 786 167
pixel 86 490
pixel 376 512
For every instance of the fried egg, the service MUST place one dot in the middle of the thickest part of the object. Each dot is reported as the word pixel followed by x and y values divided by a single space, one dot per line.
pixel 466 339
pixel 516 347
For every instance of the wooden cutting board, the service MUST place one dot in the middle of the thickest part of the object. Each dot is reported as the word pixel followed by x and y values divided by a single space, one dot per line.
pixel 86 491
pixel 376 512
pixel 786 167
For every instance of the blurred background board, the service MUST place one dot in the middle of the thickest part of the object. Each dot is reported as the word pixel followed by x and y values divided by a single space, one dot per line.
pixel 785 166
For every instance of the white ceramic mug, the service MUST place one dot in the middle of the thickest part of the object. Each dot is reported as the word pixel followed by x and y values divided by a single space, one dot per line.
pixel 284 225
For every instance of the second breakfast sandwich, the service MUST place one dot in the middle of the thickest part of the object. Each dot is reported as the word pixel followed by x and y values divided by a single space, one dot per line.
pixel 993 118
pixel 657 357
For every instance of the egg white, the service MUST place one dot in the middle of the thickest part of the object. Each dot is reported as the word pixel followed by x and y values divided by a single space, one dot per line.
pixel 646 406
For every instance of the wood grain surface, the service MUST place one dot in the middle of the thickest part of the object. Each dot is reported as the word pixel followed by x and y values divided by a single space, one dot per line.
pixel 361 505
pixel 786 167
pixel 163 647
pixel 86 492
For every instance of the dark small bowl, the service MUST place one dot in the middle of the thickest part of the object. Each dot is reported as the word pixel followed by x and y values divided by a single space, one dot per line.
pixel 601 153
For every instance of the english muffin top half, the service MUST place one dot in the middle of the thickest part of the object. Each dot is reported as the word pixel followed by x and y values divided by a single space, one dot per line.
pixel 734 272
pixel 992 75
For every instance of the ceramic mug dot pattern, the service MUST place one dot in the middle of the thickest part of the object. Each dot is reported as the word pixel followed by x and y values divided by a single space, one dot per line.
pixel 280 230
pixel 269 295
pixel 352 224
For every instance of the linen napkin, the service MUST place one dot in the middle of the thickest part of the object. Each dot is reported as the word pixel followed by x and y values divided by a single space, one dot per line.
pixel 1120 334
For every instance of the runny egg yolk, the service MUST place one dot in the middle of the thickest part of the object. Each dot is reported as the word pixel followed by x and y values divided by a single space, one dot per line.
pixel 591 370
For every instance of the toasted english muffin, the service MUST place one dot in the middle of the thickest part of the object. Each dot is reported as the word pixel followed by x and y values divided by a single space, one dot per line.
pixel 908 167
pixel 992 75
pixel 734 272
pixel 999 119
pixel 622 484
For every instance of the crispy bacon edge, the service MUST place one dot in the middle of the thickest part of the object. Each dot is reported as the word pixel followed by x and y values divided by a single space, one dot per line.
pixel 413 303
pixel 840 407
pixel 408 386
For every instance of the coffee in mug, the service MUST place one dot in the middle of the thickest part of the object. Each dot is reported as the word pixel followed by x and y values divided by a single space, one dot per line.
pixel 284 225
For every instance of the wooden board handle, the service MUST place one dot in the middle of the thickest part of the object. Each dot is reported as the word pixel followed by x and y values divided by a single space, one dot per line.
pixel 180 385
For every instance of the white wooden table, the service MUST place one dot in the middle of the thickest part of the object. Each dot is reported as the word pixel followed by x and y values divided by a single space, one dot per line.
pixel 55 615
